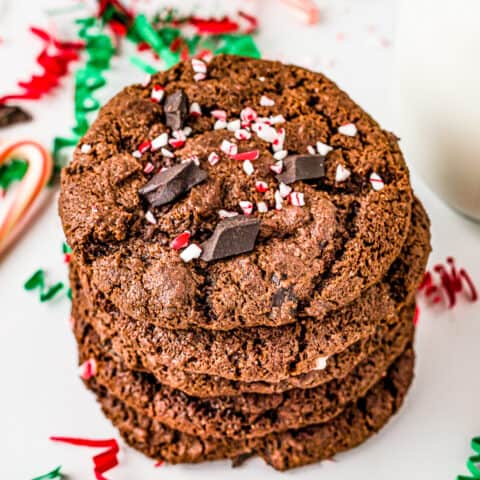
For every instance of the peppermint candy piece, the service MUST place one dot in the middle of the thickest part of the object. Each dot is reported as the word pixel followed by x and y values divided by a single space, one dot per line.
pixel 341 173
pixel 157 94
pixel 262 207
pixel 246 206
pixel 261 186
pixel 160 141
pixel 85 148
pixel 150 218
pixel 181 241
pixel 266 101
pixel 321 363
pixel 229 148
pixel 88 369
pixel 348 129
pixel 213 158
pixel 195 110
pixel 323 149
pixel 297 199
pixel 190 253
pixel 376 181
pixel 248 167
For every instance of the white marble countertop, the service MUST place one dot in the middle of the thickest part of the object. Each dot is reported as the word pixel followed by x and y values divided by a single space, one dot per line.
pixel 41 393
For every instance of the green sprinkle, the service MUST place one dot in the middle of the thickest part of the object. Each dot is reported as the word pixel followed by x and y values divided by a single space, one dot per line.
pixel 55 473
pixel 47 295
pixel 69 293
pixel 66 248
pixel 12 171
pixel 37 280
pixel 142 65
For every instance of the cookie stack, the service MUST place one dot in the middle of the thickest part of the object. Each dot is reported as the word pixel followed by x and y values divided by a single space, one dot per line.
pixel 246 250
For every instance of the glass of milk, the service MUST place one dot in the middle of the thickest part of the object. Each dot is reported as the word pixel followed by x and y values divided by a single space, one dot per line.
pixel 437 96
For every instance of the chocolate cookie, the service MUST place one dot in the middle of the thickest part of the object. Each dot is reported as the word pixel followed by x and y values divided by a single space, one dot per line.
pixel 240 416
pixel 282 451
pixel 269 354
pixel 326 234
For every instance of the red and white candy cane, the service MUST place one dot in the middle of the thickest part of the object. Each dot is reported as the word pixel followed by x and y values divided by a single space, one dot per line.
pixel 39 170
pixel 307 8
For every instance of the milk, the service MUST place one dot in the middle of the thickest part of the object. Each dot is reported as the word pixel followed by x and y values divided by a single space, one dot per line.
pixel 437 96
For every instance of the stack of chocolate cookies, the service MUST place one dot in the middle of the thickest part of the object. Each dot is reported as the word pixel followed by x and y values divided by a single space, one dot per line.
pixel 246 251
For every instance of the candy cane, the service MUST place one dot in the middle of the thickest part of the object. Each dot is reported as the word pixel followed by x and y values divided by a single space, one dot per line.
pixel 39 170
pixel 307 8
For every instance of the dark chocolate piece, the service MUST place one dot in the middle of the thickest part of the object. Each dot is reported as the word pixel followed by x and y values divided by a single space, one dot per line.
pixel 282 295
pixel 176 110
pixel 169 184
pixel 302 167
pixel 232 236
pixel 11 114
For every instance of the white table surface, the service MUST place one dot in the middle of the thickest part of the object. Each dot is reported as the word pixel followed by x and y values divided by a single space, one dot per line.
pixel 41 394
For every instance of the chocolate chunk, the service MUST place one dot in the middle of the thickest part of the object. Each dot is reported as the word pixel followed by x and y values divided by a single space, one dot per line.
pixel 9 115
pixel 282 295
pixel 232 236
pixel 176 109
pixel 168 185
pixel 302 167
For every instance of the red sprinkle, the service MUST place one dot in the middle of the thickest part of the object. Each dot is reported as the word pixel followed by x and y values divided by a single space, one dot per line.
pixel 251 155
pixel 416 315
pixel 181 241
pixel 67 257
pixel 103 461
pixel 452 282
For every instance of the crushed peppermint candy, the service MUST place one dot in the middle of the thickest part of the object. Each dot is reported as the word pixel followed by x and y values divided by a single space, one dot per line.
pixel 85 148
pixel 261 186
pixel 266 101
pixel 278 142
pixel 187 131
pixel 348 129
pixel 323 149
pixel 248 115
pixel 297 199
pixel 250 155
pixel 160 141
pixel 226 214
pixel 321 363
pixel 376 181
pixel 234 125
pixel 248 167
pixel 278 200
pixel 190 253
pixel 341 173
pixel 167 153
pixel 195 110
pixel 181 241
pixel 178 140
pixel 219 114
pixel 265 132
pixel 280 155
pixel 220 125
pixel 158 92
pixel 199 66
pixel 229 148
pixel 246 206
pixel 262 207
pixel 311 150
pixel 275 119
pixel 277 167
pixel 150 218
pixel 284 190
pixel 242 134
pixel 88 369
pixel 148 168
pixel 213 158
pixel 146 80
pixel 199 76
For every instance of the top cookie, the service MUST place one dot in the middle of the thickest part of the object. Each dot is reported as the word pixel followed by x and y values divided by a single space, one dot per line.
pixel 321 241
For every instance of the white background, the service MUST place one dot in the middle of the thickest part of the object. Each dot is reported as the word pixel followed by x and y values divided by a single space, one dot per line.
pixel 41 394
